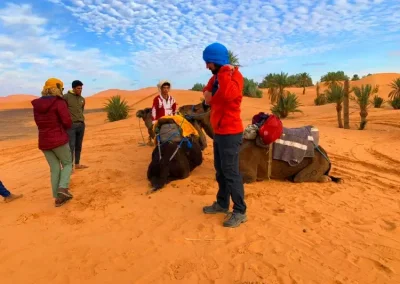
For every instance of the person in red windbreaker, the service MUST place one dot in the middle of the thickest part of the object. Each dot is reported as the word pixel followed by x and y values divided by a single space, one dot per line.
pixel 164 103
pixel 223 94
pixel 53 120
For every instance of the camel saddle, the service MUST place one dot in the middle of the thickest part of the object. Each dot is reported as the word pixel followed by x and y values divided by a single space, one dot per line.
pixel 294 144
pixel 173 128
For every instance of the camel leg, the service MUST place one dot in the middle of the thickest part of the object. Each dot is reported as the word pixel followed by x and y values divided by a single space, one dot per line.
pixel 179 167
pixel 314 172
pixel 150 142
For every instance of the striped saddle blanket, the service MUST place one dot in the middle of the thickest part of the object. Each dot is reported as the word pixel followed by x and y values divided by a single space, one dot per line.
pixel 295 144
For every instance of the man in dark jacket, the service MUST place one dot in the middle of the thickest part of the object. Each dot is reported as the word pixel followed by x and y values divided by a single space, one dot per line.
pixel 224 95
pixel 8 196
pixel 76 106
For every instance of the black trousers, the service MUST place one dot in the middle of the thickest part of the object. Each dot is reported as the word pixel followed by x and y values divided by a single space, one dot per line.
pixel 76 133
pixel 226 163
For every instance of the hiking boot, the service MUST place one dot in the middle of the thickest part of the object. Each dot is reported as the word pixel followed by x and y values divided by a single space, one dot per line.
pixel 235 219
pixel 214 208
pixel 12 197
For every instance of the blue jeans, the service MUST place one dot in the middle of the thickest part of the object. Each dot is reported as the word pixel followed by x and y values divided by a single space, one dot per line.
pixel 3 191
pixel 226 163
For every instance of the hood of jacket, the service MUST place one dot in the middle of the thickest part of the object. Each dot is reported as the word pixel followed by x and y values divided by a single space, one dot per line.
pixel 43 104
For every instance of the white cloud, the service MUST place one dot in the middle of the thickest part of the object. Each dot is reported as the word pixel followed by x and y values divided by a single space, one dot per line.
pixel 172 34
pixel 33 52
pixel 166 38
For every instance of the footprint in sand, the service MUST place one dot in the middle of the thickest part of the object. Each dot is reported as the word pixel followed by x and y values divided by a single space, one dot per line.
pixel 316 217
pixel 388 226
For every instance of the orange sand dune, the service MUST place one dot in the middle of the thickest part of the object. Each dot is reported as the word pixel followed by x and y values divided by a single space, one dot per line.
pixel 112 231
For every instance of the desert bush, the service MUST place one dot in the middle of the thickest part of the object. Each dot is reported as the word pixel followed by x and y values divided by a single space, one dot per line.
pixel 320 100
pixel 250 89
pixel 287 103
pixel 377 101
pixel 198 87
pixel 116 108
pixel 395 103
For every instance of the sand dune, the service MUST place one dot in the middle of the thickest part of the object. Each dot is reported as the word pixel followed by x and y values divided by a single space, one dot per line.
pixel 112 231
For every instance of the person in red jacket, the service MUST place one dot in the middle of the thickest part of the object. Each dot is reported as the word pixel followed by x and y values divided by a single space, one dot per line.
pixel 53 119
pixel 164 103
pixel 223 94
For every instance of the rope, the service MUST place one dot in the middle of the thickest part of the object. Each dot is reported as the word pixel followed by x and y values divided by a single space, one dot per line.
pixel 141 132
pixel 190 116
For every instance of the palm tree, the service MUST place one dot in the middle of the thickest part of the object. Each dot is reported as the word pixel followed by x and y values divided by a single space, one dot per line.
pixel 362 98
pixel 395 93
pixel 286 104
pixel 335 94
pixel 303 81
pixel 233 59
pixel 277 86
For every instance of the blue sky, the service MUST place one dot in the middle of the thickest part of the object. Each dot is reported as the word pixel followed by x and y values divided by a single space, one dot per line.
pixel 133 44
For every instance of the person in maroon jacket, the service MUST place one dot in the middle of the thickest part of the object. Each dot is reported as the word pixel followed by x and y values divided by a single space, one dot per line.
pixel 53 119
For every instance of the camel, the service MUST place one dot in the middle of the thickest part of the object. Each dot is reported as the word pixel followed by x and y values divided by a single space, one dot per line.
pixel 174 159
pixel 145 115
pixel 253 160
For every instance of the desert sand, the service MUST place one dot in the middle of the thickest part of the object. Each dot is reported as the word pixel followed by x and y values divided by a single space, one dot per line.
pixel 113 232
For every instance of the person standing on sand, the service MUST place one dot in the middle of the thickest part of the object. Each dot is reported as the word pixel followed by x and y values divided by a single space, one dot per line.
pixel 164 103
pixel 8 196
pixel 224 95
pixel 53 120
pixel 76 106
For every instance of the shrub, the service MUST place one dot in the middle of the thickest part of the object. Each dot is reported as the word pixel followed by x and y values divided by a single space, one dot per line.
pixel 286 104
pixel 198 87
pixel 377 101
pixel 250 89
pixel 116 108
pixel 395 103
pixel 320 100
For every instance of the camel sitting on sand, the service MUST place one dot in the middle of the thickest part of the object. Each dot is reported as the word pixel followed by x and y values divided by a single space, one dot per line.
pixel 253 161
pixel 176 154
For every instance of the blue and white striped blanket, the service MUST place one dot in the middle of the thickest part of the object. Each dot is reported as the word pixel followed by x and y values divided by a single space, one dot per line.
pixel 295 144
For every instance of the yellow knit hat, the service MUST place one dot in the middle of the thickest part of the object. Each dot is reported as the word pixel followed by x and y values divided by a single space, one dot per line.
pixel 53 87
pixel 52 83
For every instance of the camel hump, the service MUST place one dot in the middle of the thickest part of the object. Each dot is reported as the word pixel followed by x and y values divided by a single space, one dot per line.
pixel 170 132
pixel 295 144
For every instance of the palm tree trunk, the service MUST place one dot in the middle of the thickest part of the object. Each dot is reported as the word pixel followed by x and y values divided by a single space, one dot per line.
pixel 304 90
pixel 346 115
pixel 363 116
pixel 339 114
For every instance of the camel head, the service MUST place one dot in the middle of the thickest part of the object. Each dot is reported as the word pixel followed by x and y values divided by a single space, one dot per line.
pixel 145 114
pixel 199 113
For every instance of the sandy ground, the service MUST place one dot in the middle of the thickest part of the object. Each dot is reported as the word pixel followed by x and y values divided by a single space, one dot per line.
pixel 113 232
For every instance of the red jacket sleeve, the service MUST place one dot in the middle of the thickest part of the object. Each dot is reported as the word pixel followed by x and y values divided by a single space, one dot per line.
pixel 64 114
pixel 209 85
pixel 230 84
